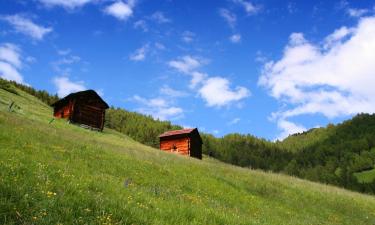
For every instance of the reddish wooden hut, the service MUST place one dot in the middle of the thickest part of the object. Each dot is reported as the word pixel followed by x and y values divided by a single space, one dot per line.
pixel 84 107
pixel 184 142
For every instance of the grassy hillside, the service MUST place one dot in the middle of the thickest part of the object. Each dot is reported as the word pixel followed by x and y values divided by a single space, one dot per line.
pixel 340 154
pixel 58 173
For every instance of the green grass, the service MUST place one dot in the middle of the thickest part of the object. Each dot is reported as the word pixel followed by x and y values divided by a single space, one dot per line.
pixel 58 173
pixel 366 176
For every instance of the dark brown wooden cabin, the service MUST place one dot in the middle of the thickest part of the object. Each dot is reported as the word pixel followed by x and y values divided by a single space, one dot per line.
pixel 183 142
pixel 84 107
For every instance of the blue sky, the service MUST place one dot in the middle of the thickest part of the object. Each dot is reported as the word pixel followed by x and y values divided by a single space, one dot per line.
pixel 268 68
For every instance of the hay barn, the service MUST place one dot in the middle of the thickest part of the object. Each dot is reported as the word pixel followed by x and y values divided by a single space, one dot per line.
pixel 84 107
pixel 183 142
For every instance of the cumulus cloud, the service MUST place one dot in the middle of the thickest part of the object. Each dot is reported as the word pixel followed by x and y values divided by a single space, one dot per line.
pixel 27 27
pixel 139 54
pixel 229 17
pixel 235 38
pixel 10 62
pixel 120 10
pixel 333 78
pixel 159 108
pixel 68 4
pixel 65 86
pixel 216 91
pixel 249 7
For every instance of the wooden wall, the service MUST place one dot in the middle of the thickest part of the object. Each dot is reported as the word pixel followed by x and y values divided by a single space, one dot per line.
pixel 64 111
pixel 181 144
pixel 82 114
pixel 89 115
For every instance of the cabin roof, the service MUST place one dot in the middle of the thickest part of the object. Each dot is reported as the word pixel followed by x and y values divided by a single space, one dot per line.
pixel 176 132
pixel 87 93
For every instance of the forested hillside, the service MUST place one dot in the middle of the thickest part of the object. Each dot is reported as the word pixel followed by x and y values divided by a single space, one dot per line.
pixel 343 154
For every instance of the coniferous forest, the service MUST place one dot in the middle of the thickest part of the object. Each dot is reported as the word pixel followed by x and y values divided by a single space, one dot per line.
pixel 342 155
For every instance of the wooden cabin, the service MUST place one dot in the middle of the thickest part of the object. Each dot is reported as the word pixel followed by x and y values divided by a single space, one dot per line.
pixel 84 107
pixel 183 142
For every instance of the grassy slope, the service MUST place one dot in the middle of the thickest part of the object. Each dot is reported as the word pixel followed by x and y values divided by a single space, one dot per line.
pixel 60 173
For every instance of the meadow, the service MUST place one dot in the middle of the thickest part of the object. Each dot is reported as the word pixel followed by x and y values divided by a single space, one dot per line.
pixel 53 172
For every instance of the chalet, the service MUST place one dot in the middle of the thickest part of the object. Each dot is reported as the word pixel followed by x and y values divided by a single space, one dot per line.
pixel 84 107
pixel 184 142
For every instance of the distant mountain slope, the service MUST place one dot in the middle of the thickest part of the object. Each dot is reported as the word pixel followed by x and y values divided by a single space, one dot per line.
pixel 361 126
pixel 52 172
pixel 299 141
pixel 343 150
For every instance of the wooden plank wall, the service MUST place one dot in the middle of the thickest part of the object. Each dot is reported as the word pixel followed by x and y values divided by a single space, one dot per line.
pixel 182 145
pixel 65 111
pixel 89 115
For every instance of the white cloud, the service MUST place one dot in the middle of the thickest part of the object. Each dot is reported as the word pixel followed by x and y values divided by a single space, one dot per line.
pixel 120 10
pixel 139 54
pixel 10 62
pixel 186 64
pixel 235 38
pixel 68 4
pixel 159 108
pixel 216 91
pixel 249 7
pixel 9 72
pixel 188 36
pixel 337 36
pixel 288 128
pixel 334 78
pixel 11 54
pixel 234 121
pixel 229 17
pixel 357 12
pixel 197 78
pixel 65 86
pixel 25 26
pixel 159 17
